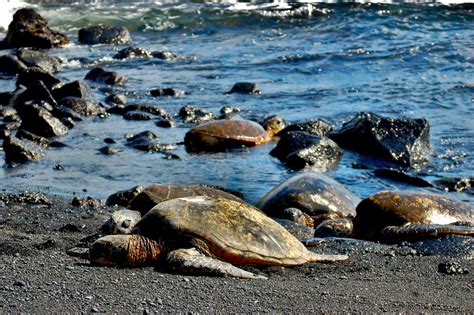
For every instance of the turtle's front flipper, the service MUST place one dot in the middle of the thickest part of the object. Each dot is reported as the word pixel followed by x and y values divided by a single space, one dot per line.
pixel 420 231
pixel 192 262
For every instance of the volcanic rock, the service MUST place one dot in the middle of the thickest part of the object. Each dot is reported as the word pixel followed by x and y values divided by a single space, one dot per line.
pixel 29 29
pixel 401 140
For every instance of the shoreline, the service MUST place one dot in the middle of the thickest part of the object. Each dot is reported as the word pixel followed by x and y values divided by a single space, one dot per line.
pixel 38 276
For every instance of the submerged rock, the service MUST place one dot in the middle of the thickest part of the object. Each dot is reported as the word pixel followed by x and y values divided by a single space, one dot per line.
pixel 132 52
pixel 108 77
pixel 402 177
pixel 245 88
pixel 103 34
pixel 402 141
pixel 298 150
pixel 166 92
pixel 29 29
pixel 150 109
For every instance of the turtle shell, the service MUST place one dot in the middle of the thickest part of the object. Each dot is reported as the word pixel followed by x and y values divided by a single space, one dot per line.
pixel 232 231
pixel 396 208
pixel 313 193
pixel 225 133
pixel 156 193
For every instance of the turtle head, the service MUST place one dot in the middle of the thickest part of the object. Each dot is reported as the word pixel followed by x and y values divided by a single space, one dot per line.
pixel 121 222
pixel 334 228
pixel 274 124
pixel 125 251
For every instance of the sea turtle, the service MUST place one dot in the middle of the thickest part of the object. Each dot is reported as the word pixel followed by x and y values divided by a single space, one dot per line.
pixel 205 235
pixel 317 195
pixel 220 135
pixel 143 199
pixel 403 215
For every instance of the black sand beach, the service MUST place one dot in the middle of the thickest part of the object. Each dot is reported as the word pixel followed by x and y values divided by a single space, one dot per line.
pixel 37 275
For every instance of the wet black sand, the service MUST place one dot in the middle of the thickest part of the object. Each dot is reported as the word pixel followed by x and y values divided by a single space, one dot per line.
pixel 36 275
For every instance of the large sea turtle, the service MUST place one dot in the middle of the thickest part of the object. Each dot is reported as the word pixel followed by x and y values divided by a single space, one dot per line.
pixel 403 215
pixel 219 135
pixel 317 195
pixel 205 235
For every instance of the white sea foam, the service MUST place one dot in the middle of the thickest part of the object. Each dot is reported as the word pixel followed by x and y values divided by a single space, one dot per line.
pixel 8 8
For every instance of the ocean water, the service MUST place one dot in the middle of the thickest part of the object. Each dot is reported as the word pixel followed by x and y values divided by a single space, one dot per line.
pixel 311 59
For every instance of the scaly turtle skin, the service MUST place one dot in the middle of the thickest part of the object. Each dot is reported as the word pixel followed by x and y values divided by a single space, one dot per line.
pixel 400 215
pixel 218 135
pixel 220 231
pixel 157 193
pixel 317 195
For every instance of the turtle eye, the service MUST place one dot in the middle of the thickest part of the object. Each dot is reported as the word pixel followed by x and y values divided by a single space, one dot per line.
pixel 126 223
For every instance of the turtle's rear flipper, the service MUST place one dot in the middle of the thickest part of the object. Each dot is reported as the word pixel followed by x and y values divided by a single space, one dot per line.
pixel 192 262
pixel 420 231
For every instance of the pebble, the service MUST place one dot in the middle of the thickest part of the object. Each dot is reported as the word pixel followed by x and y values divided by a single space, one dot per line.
pixel 19 283
pixel 94 309
pixel 451 268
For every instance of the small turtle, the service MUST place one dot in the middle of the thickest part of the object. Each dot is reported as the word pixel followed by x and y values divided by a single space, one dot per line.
pixel 317 195
pixel 223 134
pixel 205 235
pixel 403 215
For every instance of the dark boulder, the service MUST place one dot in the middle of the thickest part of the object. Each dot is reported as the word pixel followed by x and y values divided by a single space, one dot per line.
pixel 401 177
pixel 109 150
pixel 245 88
pixel 40 59
pixel 165 123
pixel 20 151
pixel 166 92
pixel 103 34
pixel 76 88
pixel 108 77
pixel 36 91
pixel 38 120
pixel 402 141
pixel 29 29
pixel 195 115
pixel 316 127
pixel 298 150
pixel 31 75
pixel 81 106
pixel 10 65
